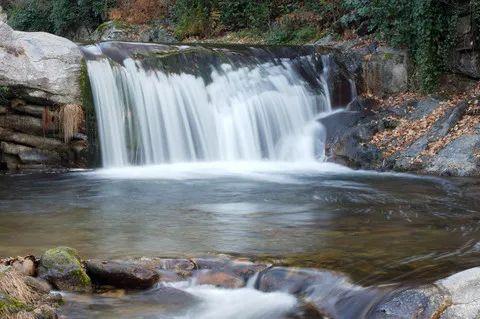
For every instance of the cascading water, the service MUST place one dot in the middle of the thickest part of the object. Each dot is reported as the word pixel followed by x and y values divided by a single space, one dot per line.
pixel 167 104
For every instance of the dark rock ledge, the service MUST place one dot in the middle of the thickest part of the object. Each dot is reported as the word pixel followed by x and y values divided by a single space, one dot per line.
pixel 27 286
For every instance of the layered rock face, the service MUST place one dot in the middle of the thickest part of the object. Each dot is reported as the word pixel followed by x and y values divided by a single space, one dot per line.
pixel 41 117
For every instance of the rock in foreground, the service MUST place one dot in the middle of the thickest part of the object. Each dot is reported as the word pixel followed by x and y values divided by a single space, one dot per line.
pixel 121 274
pixel 63 269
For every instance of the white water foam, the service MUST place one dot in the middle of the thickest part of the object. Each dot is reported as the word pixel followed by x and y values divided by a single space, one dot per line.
pixel 263 111
pixel 244 303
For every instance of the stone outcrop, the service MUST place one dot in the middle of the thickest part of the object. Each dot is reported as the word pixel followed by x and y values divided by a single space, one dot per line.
pixel 39 86
pixel 426 135
pixel 377 70
pixel 122 31
pixel 40 67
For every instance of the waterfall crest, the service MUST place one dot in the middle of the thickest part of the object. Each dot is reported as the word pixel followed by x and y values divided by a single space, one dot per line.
pixel 157 104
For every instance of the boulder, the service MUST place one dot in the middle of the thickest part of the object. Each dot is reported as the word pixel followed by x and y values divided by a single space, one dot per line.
pixel 121 274
pixel 62 268
pixel 405 160
pixel 458 158
pixel 464 289
pixel 218 279
pixel 385 71
pixel 39 66
pixel 424 302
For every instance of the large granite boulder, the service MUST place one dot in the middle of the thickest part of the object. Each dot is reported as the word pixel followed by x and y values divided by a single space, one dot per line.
pixel 40 66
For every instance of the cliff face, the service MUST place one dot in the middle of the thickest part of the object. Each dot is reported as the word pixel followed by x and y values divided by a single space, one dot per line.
pixel 40 101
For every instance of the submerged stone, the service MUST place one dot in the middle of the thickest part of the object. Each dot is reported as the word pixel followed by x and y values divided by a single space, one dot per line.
pixel 62 268
pixel 218 279
pixel 121 274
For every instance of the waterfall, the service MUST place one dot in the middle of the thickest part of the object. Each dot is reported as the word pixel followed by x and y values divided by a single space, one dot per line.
pixel 167 104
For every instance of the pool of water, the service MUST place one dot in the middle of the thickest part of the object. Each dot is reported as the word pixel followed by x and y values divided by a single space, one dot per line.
pixel 378 228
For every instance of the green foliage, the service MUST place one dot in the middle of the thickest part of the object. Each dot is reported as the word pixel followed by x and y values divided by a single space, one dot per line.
pixel 192 17
pixel 426 27
pixel 282 35
pixel 56 16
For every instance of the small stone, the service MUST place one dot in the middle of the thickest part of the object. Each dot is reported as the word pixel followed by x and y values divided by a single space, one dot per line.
pixel 121 274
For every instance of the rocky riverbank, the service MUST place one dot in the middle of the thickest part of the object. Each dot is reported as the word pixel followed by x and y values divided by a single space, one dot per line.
pixel 32 287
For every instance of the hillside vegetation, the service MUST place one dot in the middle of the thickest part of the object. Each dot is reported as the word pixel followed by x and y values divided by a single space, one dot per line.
pixel 425 27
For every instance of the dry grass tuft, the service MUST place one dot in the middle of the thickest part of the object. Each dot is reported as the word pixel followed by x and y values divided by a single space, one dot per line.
pixel 71 119
pixel 13 284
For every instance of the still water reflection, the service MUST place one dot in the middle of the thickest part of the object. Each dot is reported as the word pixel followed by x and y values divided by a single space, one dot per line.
pixel 376 227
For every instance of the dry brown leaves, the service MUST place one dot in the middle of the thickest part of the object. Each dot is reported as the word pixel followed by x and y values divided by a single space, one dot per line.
pixel 408 131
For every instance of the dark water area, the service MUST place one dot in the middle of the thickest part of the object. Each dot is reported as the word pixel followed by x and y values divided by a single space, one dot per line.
pixel 377 228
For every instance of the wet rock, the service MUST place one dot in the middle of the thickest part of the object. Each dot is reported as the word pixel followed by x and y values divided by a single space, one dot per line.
pixel 421 303
pixel 211 263
pixel 62 268
pixel 121 274
pixel 218 279
pixel 464 289
pixel 291 280
pixel 28 155
pixel 246 269
pixel 330 293
pixel 181 267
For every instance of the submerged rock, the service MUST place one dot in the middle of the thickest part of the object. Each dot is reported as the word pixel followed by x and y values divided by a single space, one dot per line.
pixel 62 268
pixel 218 279
pixel 121 274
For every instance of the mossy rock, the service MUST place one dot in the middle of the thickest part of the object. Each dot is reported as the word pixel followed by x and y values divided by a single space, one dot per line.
pixel 62 268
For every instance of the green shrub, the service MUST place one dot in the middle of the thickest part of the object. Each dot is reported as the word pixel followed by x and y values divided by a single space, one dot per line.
pixel 57 16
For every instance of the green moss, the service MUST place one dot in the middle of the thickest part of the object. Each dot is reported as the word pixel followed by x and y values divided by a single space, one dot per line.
pixel 63 268
pixel 93 153
pixel 115 23
pixel 387 56
pixel 10 305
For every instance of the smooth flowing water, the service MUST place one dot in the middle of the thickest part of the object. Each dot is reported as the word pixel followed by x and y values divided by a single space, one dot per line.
pixel 217 150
